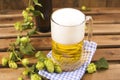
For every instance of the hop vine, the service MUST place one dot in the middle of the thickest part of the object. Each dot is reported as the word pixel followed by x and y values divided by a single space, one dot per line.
pixel 22 46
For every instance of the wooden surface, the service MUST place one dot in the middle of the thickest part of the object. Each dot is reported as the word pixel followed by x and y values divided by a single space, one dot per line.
pixel 106 30
pixel 15 5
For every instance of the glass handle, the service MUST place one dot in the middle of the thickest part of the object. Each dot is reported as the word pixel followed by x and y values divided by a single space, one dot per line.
pixel 89 26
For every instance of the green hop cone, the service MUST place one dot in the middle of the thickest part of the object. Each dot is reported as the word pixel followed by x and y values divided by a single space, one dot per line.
pixel 49 65
pixel 24 40
pixel 84 8
pixel 58 69
pixel 12 64
pixel 35 77
pixel 91 68
pixel 25 14
pixel 25 72
pixel 20 78
pixel 4 61
pixel 40 65
pixel 25 62
pixel 18 26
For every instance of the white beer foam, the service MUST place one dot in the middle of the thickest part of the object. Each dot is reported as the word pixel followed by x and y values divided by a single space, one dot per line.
pixel 68 17
pixel 73 29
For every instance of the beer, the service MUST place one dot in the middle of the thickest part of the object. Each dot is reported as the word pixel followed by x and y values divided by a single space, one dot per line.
pixel 69 53
pixel 67 30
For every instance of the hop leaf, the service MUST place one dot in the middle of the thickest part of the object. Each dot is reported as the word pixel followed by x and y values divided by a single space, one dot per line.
pixel 12 56
pixel 37 3
pixel 102 64
pixel 40 55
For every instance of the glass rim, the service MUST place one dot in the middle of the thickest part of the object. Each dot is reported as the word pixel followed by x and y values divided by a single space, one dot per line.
pixel 67 25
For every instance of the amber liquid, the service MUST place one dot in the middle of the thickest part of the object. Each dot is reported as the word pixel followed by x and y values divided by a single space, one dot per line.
pixel 66 53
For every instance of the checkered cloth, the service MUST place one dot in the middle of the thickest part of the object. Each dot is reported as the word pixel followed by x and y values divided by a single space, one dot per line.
pixel 76 74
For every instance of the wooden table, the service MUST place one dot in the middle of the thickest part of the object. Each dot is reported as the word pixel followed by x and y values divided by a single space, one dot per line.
pixel 106 30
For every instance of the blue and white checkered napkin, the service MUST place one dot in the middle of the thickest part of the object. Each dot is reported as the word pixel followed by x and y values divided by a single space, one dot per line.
pixel 76 74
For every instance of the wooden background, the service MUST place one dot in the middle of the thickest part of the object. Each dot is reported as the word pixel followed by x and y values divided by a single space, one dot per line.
pixel 21 4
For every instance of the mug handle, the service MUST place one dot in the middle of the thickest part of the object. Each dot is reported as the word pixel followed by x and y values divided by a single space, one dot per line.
pixel 90 23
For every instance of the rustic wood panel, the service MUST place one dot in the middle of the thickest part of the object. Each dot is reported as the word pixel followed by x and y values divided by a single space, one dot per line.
pixel 110 54
pixel 111 74
pixel 22 4
pixel 44 43
pixel 113 3
pixel 13 4
pixel 65 3
pixel 97 29
pixel 93 3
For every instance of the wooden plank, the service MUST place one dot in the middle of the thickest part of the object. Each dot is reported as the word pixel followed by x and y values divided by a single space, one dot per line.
pixel 9 20
pixel 97 3
pixel 109 18
pixel 44 43
pixel 14 15
pixel 110 54
pixel 31 59
pixel 111 74
pixel 106 29
pixel 14 4
pixel 113 3
pixel 102 11
pixel 11 74
pixel 10 32
pixel 97 29
pixel 104 41
pixel 65 3
pixel 92 3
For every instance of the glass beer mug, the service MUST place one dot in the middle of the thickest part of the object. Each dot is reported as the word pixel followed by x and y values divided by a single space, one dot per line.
pixel 67 32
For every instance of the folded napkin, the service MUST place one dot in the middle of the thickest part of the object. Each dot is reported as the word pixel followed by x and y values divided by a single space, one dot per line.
pixel 89 50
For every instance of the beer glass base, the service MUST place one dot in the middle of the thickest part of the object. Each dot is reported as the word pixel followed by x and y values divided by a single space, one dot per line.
pixel 76 65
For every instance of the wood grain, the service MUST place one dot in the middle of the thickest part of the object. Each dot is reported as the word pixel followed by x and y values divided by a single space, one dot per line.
pixel 111 74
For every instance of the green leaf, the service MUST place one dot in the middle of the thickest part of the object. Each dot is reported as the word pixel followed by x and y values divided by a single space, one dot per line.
pixel 37 3
pixel 38 13
pixel 40 55
pixel 102 63
pixel 17 40
pixel 27 49
pixel 31 32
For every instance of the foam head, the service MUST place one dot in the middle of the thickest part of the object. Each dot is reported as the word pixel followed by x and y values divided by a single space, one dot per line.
pixel 68 17
pixel 67 26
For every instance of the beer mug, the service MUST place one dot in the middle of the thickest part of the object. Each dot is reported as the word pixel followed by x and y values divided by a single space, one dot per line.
pixel 67 31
